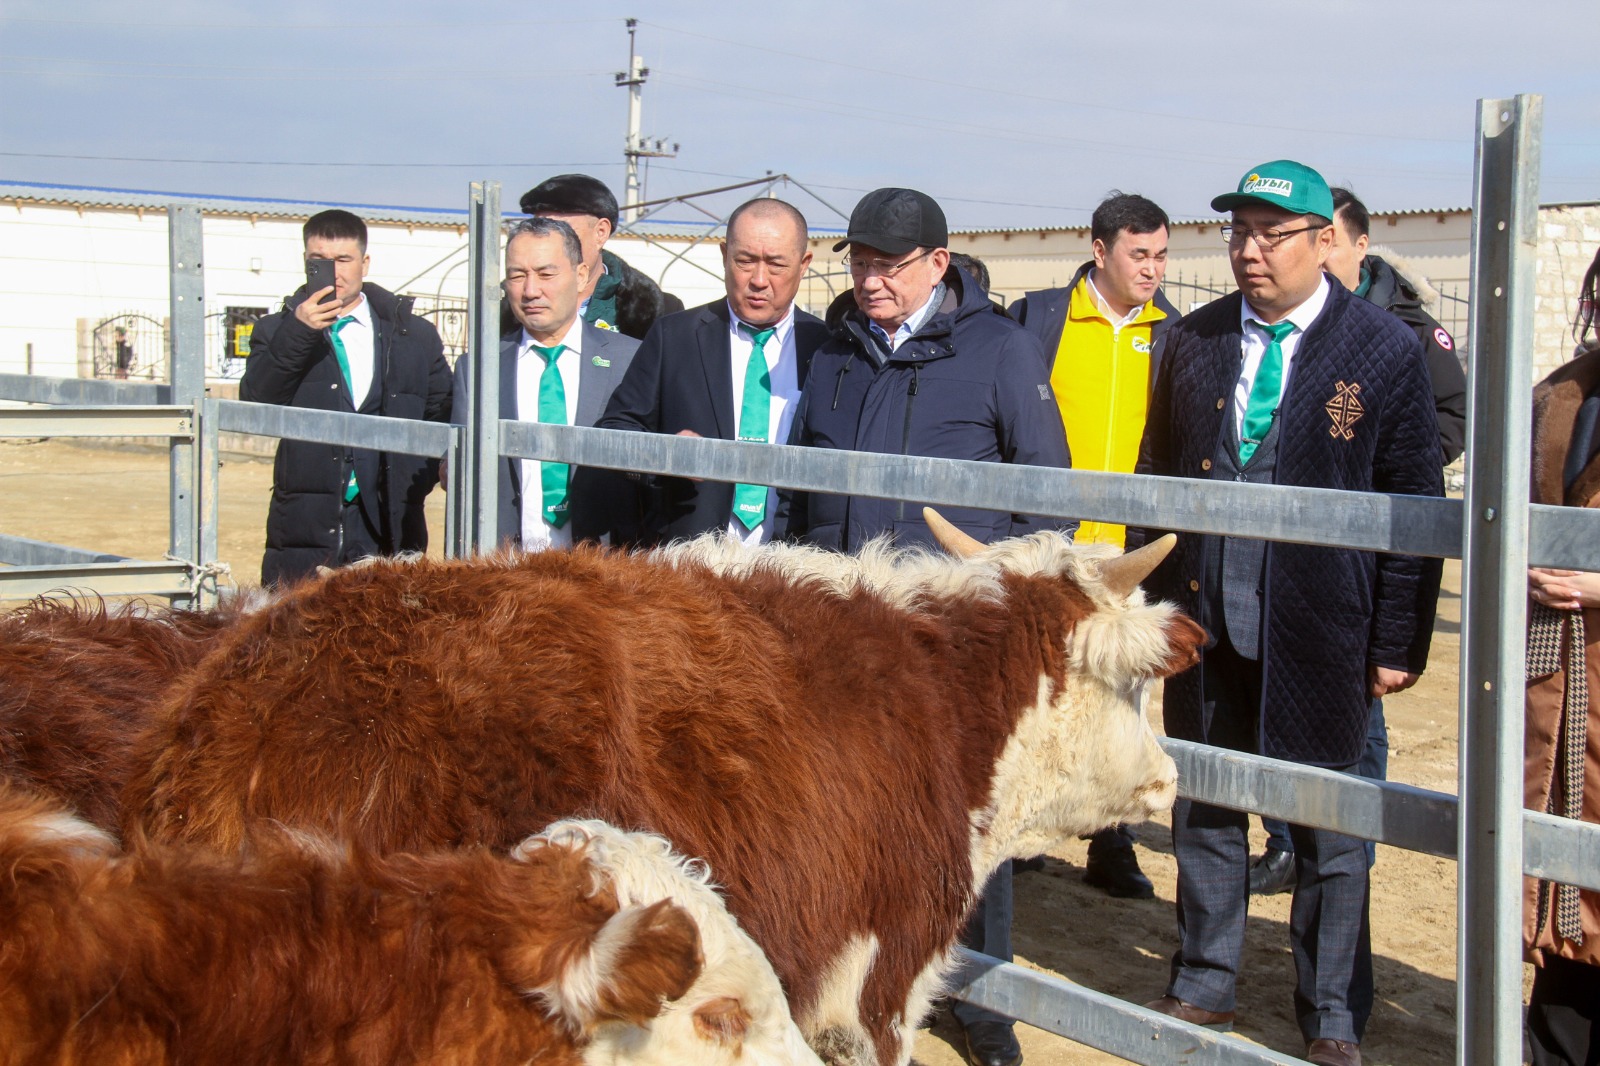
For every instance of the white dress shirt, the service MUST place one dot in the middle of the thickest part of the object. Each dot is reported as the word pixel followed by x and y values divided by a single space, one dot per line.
pixel 537 534
pixel 358 340
pixel 1104 307
pixel 909 327
pixel 1255 344
pixel 782 372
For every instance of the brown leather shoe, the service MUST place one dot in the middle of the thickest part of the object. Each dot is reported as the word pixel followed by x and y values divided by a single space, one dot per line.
pixel 1172 1006
pixel 1326 1052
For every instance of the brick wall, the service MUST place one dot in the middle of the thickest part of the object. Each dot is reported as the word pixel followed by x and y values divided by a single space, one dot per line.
pixel 1569 235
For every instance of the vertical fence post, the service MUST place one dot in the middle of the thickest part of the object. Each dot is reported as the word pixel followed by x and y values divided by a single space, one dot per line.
pixel 188 375
pixel 478 521
pixel 210 494
pixel 1505 210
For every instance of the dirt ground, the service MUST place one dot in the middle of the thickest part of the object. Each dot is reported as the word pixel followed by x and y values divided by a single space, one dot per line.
pixel 114 499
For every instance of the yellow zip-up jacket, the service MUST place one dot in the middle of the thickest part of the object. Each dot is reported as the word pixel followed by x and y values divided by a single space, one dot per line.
pixel 1101 380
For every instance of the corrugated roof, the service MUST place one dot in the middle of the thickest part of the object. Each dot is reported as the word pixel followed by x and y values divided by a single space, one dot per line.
pixel 1214 220
pixel 236 206
pixel 268 207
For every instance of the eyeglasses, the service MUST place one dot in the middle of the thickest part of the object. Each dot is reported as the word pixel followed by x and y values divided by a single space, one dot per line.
pixel 887 271
pixel 1266 240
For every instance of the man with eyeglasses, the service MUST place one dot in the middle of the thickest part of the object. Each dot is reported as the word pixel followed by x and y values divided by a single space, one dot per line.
pixel 919 363
pixel 1373 278
pixel 730 370
pixel 354 347
pixel 1103 334
pixel 1290 381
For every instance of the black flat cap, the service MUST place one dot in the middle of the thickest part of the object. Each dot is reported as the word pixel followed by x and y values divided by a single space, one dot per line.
pixel 571 194
pixel 896 221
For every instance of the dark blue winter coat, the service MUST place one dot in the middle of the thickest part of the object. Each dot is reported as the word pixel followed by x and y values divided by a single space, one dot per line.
pixel 970 384
pixel 1327 612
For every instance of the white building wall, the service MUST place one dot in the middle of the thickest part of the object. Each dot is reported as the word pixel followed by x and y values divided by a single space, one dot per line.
pixel 61 265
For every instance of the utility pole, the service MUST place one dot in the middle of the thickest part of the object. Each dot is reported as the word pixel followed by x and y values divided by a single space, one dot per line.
pixel 637 147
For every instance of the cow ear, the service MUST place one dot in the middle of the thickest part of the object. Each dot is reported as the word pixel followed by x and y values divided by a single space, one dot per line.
pixel 640 958
pixel 722 1021
pixel 1185 639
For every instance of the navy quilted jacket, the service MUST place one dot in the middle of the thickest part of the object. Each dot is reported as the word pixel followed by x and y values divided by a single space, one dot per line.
pixel 970 384
pixel 1328 612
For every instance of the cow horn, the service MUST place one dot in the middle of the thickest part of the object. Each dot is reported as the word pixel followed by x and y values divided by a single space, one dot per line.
pixel 1123 574
pixel 949 537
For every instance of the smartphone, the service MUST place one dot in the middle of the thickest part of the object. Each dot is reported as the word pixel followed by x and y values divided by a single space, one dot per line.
pixel 319 275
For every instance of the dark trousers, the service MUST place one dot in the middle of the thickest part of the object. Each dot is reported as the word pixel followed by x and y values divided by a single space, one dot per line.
pixel 1328 932
pixel 1564 1014
pixel 988 930
pixel 358 540
pixel 1374 766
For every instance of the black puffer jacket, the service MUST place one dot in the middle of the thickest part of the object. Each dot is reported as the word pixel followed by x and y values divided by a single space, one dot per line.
pixel 970 384
pixel 1391 291
pixel 293 365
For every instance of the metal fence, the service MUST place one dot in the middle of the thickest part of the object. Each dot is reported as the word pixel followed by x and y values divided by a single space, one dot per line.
pixel 1493 531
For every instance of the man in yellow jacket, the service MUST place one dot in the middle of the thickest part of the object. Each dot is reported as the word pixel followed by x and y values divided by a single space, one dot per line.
pixel 1103 334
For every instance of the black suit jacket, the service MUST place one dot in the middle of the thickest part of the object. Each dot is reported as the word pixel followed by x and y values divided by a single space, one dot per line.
pixel 682 378
pixel 604 503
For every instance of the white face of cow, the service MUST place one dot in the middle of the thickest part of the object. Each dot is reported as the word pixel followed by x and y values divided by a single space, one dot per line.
pixel 1083 755
pixel 735 1014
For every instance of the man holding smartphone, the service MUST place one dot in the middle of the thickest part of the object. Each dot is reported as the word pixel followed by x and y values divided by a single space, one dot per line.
pixel 344 344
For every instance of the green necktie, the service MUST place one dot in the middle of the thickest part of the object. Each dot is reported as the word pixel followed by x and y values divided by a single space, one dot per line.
pixel 1264 391
pixel 755 421
pixel 553 411
pixel 339 353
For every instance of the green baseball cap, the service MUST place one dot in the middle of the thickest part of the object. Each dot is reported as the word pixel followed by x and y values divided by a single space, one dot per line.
pixel 1282 183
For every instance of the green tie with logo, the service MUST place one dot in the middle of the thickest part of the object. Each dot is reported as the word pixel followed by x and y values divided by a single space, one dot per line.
pixel 755 422
pixel 553 411
pixel 1264 391
pixel 340 354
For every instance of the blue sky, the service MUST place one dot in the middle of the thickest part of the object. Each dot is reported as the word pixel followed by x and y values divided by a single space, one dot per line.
pixel 1012 114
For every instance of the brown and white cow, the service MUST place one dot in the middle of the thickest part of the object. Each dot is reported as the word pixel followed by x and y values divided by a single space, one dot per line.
pixel 308 952
pixel 853 743
pixel 78 687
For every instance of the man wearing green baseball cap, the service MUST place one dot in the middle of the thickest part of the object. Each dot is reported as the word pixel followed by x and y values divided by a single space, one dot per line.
pixel 1290 381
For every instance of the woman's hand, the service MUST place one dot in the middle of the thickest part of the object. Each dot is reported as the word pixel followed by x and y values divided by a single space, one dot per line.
pixel 1564 590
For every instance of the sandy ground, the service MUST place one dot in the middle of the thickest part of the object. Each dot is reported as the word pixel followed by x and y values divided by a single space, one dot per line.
pixel 114 499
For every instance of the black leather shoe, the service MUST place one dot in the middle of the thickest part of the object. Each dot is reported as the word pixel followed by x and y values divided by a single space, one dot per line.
pixel 1116 870
pixel 1326 1052
pixel 1272 873
pixel 993 1044
pixel 1173 1007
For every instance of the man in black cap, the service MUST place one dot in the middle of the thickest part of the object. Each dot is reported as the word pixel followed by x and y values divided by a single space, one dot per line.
pixel 918 363
pixel 618 297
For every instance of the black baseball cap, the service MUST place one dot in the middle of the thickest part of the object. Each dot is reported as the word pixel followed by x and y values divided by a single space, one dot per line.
pixel 571 194
pixel 896 221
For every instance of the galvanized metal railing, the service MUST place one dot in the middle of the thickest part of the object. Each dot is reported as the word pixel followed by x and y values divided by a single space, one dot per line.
pixel 1494 532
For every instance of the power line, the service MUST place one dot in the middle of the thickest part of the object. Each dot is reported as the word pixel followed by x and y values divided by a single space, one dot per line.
pixel 222 73
pixel 1063 101
pixel 367 26
pixel 286 162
